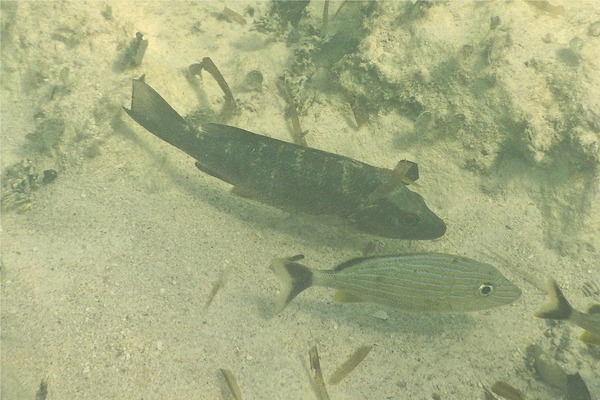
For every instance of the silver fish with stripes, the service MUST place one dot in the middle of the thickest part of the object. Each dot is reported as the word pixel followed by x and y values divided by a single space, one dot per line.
pixel 419 282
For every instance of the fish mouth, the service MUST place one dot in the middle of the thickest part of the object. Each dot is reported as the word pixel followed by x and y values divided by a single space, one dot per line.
pixel 428 227
pixel 434 227
pixel 404 215
pixel 414 221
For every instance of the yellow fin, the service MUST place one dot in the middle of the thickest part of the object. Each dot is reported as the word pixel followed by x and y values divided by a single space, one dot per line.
pixel 345 297
pixel 589 338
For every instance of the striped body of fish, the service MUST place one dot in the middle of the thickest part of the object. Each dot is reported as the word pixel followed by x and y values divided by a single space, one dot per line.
pixel 292 177
pixel 426 282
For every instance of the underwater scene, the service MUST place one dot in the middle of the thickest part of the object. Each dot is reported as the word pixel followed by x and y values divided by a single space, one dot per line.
pixel 300 200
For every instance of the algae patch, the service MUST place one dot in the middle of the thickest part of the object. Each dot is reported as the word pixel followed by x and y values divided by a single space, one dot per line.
pixel 47 136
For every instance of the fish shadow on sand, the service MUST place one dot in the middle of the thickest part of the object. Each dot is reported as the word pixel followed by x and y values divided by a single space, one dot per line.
pixel 322 315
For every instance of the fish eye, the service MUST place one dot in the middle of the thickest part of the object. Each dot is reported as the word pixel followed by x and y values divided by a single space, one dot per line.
pixel 486 289
pixel 409 220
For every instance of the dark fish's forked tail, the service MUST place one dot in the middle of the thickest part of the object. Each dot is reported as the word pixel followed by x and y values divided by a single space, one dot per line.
pixel 557 306
pixel 295 276
pixel 152 112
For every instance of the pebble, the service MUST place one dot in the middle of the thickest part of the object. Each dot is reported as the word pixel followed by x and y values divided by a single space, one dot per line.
pixel 381 315
pixel 594 29
pixel 576 44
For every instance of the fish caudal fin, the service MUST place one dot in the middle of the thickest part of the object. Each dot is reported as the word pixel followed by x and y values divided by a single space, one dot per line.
pixel 557 306
pixel 152 112
pixel 295 276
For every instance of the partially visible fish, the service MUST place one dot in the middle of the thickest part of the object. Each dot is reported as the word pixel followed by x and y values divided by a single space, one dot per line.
pixel 557 307
pixel 576 388
pixel 426 282
pixel 292 177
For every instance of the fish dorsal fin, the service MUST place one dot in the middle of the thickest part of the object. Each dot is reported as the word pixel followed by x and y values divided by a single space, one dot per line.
pixel 345 297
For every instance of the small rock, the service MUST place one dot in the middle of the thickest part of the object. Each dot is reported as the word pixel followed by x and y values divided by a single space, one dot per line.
pixel 594 29
pixel 381 315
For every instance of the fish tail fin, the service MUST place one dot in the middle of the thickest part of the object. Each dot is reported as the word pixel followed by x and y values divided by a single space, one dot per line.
pixel 152 112
pixel 295 276
pixel 557 306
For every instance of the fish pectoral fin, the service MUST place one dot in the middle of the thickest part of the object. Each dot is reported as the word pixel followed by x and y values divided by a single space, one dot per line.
pixel 405 173
pixel 209 171
pixel 345 297
pixel 594 309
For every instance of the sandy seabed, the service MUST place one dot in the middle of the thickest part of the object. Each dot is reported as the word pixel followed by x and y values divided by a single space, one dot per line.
pixel 106 273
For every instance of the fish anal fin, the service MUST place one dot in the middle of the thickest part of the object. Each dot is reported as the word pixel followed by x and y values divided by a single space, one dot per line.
pixel 209 171
pixel 589 338
pixel 345 297
pixel 244 193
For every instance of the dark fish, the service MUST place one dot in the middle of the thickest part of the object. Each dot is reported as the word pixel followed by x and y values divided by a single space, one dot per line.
pixel 576 388
pixel 292 177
